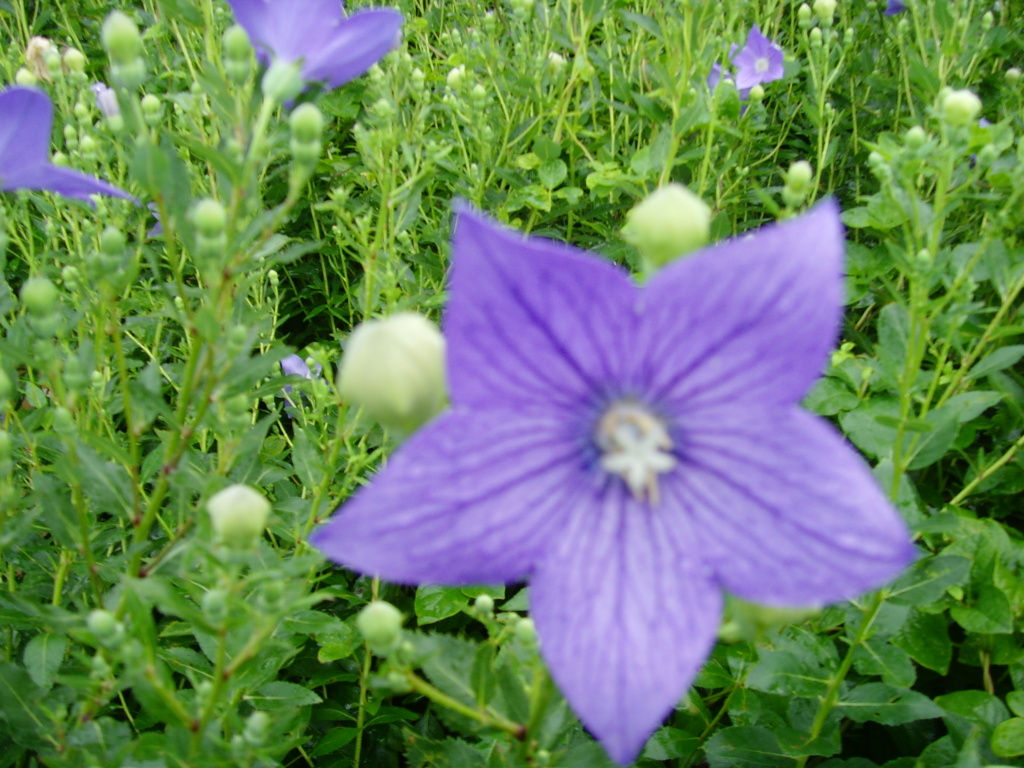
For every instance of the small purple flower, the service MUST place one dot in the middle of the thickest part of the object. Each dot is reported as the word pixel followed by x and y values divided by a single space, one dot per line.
pixel 894 6
pixel 330 47
pixel 634 452
pixel 106 99
pixel 293 365
pixel 26 117
pixel 759 61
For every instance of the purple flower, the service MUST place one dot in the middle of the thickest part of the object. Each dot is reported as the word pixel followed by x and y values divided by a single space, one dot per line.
pixel 106 99
pixel 894 7
pixel 316 33
pixel 759 61
pixel 634 452
pixel 26 117
pixel 293 365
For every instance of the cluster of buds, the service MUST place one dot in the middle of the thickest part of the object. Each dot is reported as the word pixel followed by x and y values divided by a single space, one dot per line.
pixel 123 44
pixel 798 183
pixel 307 126
pixel 210 219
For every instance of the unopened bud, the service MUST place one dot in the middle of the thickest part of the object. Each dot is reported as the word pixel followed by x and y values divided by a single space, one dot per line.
pixel 112 241
pixel 39 296
pixel 961 108
pixel 825 11
pixel 239 515
pixel 121 38
pixel 803 16
pixel 1012 75
pixel 456 77
pixel 307 123
pixel 282 81
pixel 25 77
pixel 484 604
pixel 670 222
pixel 394 369
pixel 756 93
pixel 381 624
pixel 74 60
pixel 915 137
pixel 526 632
pixel 236 43
pixel 210 217
pixel 102 623
pixel 151 110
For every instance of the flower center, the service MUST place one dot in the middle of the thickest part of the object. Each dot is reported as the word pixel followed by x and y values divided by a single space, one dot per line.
pixel 761 64
pixel 635 445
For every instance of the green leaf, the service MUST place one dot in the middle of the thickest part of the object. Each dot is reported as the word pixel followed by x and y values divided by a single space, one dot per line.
pixel 19 706
pixel 482 676
pixel 436 603
pixel 1015 701
pixel 928 579
pixel 744 746
pixel 553 173
pixel 447 753
pixel 988 613
pixel 43 656
pixel 998 360
pixel 787 674
pixel 879 657
pixel 887 705
pixel 282 695
pixel 335 739
pixel 830 396
pixel 1008 738
pixel 925 636
pixel 671 743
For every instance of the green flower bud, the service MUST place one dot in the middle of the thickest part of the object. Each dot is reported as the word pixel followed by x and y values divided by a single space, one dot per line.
pixel 239 515
pixel 799 175
pixel 526 632
pixel 103 624
pixel 39 296
pixel 210 217
pixel 456 78
pixel 803 16
pixel 112 241
pixel 381 624
pixel 64 422
pixel 74 60
pixel 394 369
pixel 1012 75
pixel 670 222
pixel 236 44
pixel 484 604
pixel 307 123
pixel 51 58
pixel 816 38
pixel 25 77
pixel 555 63
pixel 282 81
pixel 121 38
pixel 87 147
pixel 915 137
pixel 961 108
pixel 256 726
pixel 756 93
pixel 152 110
pixel 825 11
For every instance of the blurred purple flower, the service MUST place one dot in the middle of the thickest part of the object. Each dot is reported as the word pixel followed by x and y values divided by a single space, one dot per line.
pixel 633 452
pixel 759 61
pixel 106 99
pixel 894 7
pixel 331 47
pixel 26 118
pixel 718 75
pixel 293 365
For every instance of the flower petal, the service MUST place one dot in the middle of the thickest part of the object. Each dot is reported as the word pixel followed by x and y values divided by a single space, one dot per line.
pixel 626 615
pixel 24 132
pixel 66 182
pixel 752 319
pixel 787 513
pixel 358 43
pixel 470 498
pixel 532 323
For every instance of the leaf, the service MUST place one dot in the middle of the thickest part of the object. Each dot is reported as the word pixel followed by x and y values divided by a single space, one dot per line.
pixel 436 603
pixel 927 580
pixel 553 173
pixel 745 746
pixel 879 657
pixel 282 695
pixel 998 360
pixel 670 743
pixel 1008 738
pixel 887 705
pixel 43 656
pixel 19 706
pixel 925 636
pixel 988 613
pixel 787 674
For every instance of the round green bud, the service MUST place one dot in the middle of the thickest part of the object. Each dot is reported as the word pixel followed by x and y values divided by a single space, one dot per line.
pixel 987 155
pixel 39 296
pixel 987 20
pixel 457 77
pixel 102 623
pixel 236 44
pixel 210 217
pixel 394 369
pixel 670 222
pixel 256 726
pixel 816 38
pixel 282 81
pixel 799 175
pixel 825 11
pixel 555 63
pixel 151 106
pixel 52 60
pixel 961 108
pixel 1012 75
pixel 484 604
pixel 479 93
pixel 239 515
pixel 381 624
pixel 112 241
pixel 526 632
pixel 803 16
pixel 756 93
pixel 87 146
pixel 307 123
pixel 74 60
pixel 121 38
pixel 25 77
pixel 63 422
pixel 915 137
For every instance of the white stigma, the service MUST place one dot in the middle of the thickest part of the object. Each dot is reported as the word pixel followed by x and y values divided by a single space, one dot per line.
pixel 636 446
pixel 761 64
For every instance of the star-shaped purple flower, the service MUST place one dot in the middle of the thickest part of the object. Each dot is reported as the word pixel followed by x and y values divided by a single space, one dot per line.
pixel 26 117
pixel 759 61
pixel 330 47
pixel 293 365
pixel 893 7
pixel 634 452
